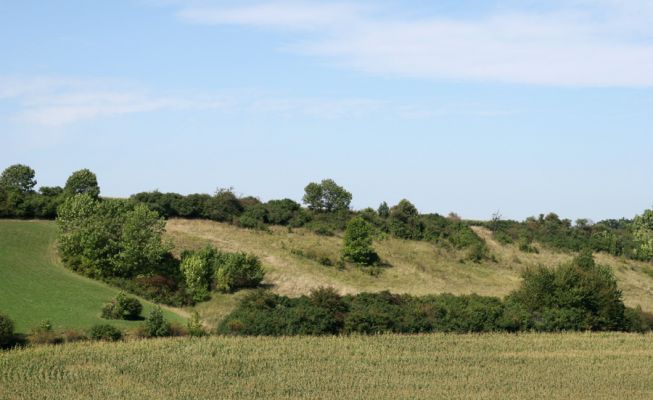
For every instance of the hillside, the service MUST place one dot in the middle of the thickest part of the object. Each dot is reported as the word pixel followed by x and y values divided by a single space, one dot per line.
pixel 496 366
pixel 34 286
pixel 291 258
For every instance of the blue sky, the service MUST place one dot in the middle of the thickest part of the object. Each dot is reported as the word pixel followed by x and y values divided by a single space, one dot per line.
pixel 468 106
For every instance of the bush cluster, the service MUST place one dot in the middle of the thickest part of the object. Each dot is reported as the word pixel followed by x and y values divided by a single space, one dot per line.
pixel 627 238
pixel 209 268
pixel 357 246
pixel 156 325
pixel 122 307
pixel 110 238
pixel 574 297
pixel 105 332
pixel 6 331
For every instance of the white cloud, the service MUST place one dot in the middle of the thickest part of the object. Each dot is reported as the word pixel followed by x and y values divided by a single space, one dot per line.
pixel 579 43
pixel 287 15
pixel 57 102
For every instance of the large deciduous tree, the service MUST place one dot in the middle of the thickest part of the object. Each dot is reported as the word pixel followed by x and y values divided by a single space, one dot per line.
pixel 18 178
pixel 82 182
pixel 326 196
pixel 404 221
pixel 110 238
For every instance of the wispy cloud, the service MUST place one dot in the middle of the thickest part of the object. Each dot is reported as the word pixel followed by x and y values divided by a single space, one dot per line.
pixel 287 15
pixel 58 101
pixel 61 101
pixel 573 43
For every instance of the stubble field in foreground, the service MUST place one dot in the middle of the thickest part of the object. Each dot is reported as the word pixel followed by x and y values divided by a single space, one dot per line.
pixel 498 366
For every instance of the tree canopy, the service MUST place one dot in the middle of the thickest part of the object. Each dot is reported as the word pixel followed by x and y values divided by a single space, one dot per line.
pixel 326 196
pixel 18 178
pixel 82 182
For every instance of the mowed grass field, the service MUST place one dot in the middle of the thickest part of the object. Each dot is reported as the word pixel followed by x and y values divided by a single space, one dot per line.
pixel 491 366
pixel 416 267
pixel 34 286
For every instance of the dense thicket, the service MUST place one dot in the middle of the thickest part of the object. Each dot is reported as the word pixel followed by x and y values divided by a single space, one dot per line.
pixel 18 199
pixel 110 238
pixel 6 331
pixel 211 269
pixel 628 238
pixel 120 242
pixel 122 307
pixel 576 296
pixel 357 243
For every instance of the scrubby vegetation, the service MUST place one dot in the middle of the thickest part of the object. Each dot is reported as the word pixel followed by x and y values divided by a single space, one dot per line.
pixel 156 325
pixel 628 238
pixel 210 269
pixel 6 331
pixel 577 296
pixel 122 307
pixel 357 246
pixel 105 332
pixel 121 241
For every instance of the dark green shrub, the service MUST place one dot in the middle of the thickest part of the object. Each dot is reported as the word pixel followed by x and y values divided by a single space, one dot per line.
pixel 6 331
pixel 156 325
pixel 254 217
pixel 105 332
pixel 357 246
pixel 576 296
pixel 223 206
pixel 264 313
pixel 515 318
pixel 281 212
pixel 404 221
pixel 300 219
pixel 373 313
pixel 197 268
pixel 636 320
pixel 383 210
pixel 122 307
pixel 237 270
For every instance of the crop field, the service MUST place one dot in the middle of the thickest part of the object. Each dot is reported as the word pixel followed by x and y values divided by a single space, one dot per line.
pixel 493 366
pixel 34 286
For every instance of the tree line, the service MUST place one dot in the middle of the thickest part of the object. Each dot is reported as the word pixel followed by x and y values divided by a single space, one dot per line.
pixel 622 238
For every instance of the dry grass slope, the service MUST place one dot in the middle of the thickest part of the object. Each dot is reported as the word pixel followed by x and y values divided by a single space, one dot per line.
pixel 496 366
pixel 417 267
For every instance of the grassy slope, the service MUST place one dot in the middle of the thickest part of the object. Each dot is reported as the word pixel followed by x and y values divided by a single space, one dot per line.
pixel 34 286
pixel 417 267
pixel 496 366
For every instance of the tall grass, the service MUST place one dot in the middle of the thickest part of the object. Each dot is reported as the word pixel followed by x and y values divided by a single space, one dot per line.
pixel 496 366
